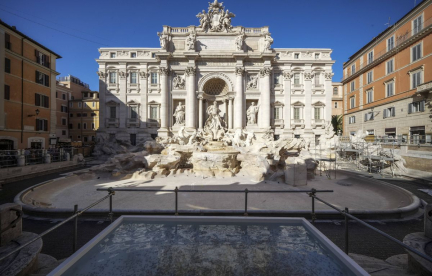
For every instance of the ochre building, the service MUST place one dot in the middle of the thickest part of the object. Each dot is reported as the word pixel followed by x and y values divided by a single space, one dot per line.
pixel 387 83
pixel 27 91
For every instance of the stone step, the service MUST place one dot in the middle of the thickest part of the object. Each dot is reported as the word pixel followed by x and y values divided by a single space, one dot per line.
pixel 378 267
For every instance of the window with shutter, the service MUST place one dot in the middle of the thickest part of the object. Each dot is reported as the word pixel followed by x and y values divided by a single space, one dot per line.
pixel 385 114
pixel 45 125
pixel 7 65
pixel 7 41
pixel 46 80
pixel 37 99
pixel 410 108
pixel 46 101
pixel 422 106
pixel 393 111
pixel 7 92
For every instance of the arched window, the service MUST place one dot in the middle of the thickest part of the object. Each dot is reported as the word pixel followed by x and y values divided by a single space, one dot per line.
pixel 335 91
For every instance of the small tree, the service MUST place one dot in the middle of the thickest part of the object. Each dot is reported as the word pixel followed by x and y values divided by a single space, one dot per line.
pixel 337 121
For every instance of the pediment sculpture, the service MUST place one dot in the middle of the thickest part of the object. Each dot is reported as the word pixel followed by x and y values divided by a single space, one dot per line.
pixel 216 19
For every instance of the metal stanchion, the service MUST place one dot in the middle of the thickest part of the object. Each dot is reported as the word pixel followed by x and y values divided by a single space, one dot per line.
pixel 312 195
pixel 246 201
pixel 176 200
pixel 346 232
pixel 75 238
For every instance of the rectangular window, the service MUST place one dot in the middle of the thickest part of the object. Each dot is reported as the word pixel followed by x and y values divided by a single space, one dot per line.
pixel 64 96
pixel 42 58
pixel 78 114
pixel 133 77
pixel 133 55
pixel 153 78
pixel 85 139
pixel 93 125
pixel 276 113
pixel 93 104
pixel 134 112
pixel 79 104
pixel 390 89
pixel 369 96
pixel 296 78
pixel 79 125
pixel 369 116
pixel 369 77
pixel 416 107
pixel 389 112
pixel 370 57
pixel 351 120
pixel 390 66
pixel 112 77
pixel 352 86
pixel 297 113
pixel 352 102
pixel 370 132
pixel 390 43
pixel 84 125
pixel 317 113
pixel 335 105
pixel 41 125
pixel 335 91
pixel 416 79
pixel 64 109
pixel 7 65
pixel 317 79
pixel 63 132
pixel 7 92
pixel 133 139
pixel 153 113
pixel 41 100
pixel 63 121
pixel 112 55
pixel 113 112
pixel 84 114
pixel 416 52
pixel 7 41
pixel 317 56
pixel 352 69
pixel 70 105
pixel 71 115
pixel 296 56
pixel 42 78
pixel 417 24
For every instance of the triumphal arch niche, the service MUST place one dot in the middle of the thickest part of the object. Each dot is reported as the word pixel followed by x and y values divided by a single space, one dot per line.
pixel 215 75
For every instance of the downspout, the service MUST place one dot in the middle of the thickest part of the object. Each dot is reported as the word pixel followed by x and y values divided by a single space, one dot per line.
pixel 22 90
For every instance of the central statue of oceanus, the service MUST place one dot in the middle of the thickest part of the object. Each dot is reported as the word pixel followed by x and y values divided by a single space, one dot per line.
pixel 214 127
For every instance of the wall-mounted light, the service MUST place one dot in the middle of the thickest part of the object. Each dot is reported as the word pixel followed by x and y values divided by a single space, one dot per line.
pixel 37 113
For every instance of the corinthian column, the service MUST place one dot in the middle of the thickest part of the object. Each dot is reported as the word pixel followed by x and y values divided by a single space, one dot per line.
pixel 190 97
pixel 239 98
pixel 230 113
pixel 163 71
pixel 264 121
pixel 287 101
pixel 200 112
pixel 308 100
pixel 143 91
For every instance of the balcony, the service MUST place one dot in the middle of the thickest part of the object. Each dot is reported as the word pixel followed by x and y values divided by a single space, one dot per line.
pixel 297 123
pixel 112 122
pixel 278 123
pixel 133 122
pixel 425 87
pixel 318 123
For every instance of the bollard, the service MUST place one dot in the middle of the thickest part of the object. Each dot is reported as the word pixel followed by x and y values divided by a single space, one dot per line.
pixel 346 231
pixel 176 201
pixel 246 201
pixel 75 238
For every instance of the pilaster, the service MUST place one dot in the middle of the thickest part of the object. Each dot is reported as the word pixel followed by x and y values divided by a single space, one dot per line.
pixel 102 96
pixel 190 97
pixel 164 113
pixel 239 99
pixel 308 100
pixel 143 80
pixel 328 95
pixel 265 108
pixel 123 114
pixel 287 75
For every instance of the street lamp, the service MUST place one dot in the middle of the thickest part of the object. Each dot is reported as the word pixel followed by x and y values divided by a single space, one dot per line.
pixel 37 113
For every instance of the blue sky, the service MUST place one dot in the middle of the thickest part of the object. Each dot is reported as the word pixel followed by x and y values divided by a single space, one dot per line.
pixel 342 25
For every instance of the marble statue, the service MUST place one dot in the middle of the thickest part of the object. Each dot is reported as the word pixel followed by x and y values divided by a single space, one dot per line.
pixel 190 41
pixel 251 114
pixel 217 19
pixel 179 114
pixel 253 82
pixel 204 20
pixel 239 42
pixel 268 41
pixel 179 82
pixel 213 126
pixel 249 137
pixel 163 39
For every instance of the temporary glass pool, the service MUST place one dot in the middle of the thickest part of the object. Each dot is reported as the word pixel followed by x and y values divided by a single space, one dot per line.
pixel 149 245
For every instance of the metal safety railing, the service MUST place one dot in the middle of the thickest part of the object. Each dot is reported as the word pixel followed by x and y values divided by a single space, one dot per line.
pixel 176 191
pixel 75 216
pixel 8 158
pixel 348 216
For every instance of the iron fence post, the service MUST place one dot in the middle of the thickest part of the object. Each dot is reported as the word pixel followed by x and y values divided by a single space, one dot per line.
pixel 346 231
pixel 176 200
pixel 246 201
pixel 75 238
pixel 312 195
pixel 111 214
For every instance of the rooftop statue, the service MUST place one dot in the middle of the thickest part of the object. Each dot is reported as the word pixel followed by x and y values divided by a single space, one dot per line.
pixel 216 19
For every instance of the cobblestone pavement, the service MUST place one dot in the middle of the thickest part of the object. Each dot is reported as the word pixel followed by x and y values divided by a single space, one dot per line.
pixel 362 240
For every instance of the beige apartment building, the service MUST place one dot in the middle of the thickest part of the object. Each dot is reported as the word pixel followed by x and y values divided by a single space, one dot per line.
pixel 63 95
pixel 27 91
pixel 337 98
pixel 83 110
pixel 388 82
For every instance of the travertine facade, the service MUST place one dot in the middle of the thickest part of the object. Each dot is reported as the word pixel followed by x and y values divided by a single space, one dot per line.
pixel 157 91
